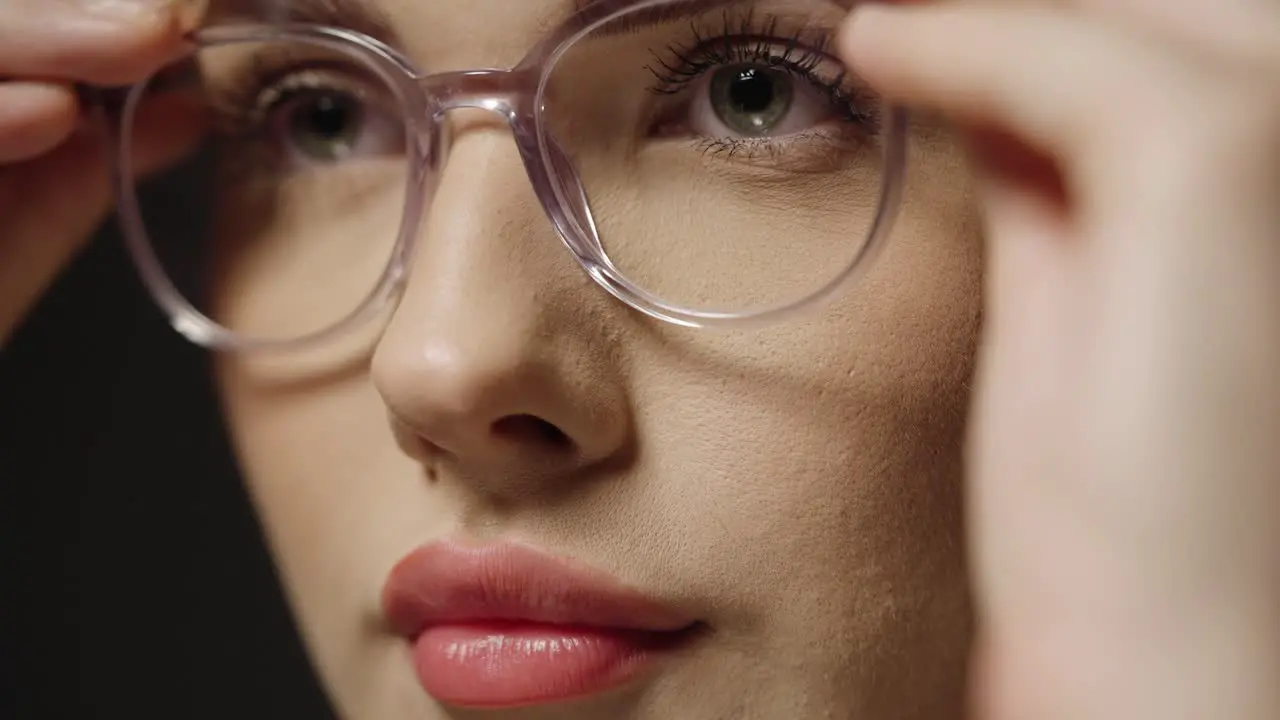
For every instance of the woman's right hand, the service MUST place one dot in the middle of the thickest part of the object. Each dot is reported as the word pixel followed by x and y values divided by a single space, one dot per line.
pixel 1124 469
pixel 54 172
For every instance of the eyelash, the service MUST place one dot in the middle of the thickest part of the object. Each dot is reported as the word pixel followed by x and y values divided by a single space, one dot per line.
pixel 747 39
pixel 242 102
pixel 269 79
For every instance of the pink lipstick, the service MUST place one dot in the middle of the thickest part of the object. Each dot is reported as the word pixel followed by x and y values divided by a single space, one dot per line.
pixel 507 626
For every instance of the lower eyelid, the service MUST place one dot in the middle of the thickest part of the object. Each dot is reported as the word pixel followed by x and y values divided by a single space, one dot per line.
pixel 819 151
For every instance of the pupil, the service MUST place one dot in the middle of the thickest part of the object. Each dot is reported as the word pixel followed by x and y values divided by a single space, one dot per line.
pixel 330 117
pixel 752 92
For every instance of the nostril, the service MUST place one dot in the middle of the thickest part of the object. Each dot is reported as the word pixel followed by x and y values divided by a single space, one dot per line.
pixel 532 429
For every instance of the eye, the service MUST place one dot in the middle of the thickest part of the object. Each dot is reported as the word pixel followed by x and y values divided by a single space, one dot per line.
pixel 753 100
pixel 329 125
pixel 750 100
pixel 325 126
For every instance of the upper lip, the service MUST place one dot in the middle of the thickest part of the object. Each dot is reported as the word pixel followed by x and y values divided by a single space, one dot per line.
pixel 450 583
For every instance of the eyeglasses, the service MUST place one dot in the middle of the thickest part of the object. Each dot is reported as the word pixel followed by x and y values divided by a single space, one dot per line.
pixel 707 163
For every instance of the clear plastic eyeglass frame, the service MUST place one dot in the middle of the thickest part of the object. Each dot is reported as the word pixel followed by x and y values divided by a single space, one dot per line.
pixel 517 94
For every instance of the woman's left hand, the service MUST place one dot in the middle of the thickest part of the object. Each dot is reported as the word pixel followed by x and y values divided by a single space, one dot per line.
pixel 1124 465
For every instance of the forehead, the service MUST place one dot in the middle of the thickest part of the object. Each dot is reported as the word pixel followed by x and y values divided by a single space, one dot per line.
pixel 472 33
pixel 296 9
pixel 484 31
pixel 393 20
pixel 388 12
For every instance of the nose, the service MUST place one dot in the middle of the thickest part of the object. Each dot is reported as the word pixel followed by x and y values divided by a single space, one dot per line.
pixel 496 367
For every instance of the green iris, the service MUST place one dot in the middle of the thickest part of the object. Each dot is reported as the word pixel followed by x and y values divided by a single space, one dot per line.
pixel 750 99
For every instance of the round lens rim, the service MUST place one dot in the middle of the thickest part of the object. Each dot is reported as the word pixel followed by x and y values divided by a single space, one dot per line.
pixel 183 316
pixel 587 249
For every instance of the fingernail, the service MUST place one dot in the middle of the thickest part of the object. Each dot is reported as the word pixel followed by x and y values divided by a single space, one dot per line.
pixel 869 13
pixel 863 26
pixel 190 12
pixel 126 10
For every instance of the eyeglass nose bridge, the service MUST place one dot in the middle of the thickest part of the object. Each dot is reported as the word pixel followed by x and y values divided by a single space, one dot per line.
pixel 513 94
pixel 506 92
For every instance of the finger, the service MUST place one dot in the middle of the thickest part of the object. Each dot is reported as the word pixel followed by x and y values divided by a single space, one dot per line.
pixel 76 176
pixel 1047 74
pixel 104 42
pixel 1244 30
pixel 34 118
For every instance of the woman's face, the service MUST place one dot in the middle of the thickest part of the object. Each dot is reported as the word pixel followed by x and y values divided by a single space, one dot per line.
pixel 785 500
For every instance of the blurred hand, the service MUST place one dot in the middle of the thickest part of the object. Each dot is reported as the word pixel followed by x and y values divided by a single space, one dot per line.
pixel 1125 449
pixel 54 181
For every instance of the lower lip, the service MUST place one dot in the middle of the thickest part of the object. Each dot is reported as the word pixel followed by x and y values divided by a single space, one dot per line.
pixel 493 665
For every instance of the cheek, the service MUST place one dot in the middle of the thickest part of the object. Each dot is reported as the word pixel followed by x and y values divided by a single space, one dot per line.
pixel 825 520
pixel 809 491
pixel 813 471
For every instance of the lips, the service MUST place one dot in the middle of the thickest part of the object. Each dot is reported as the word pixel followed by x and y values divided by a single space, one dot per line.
pixel 507 626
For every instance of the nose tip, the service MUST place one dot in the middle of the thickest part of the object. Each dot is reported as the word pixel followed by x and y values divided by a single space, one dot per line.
pixel 465 404
pixel 535 438
pixel 503 419
pixel 476 430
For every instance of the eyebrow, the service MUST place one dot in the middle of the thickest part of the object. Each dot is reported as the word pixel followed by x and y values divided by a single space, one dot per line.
pixel 364 16
pixel 683 10
pixel 648 17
